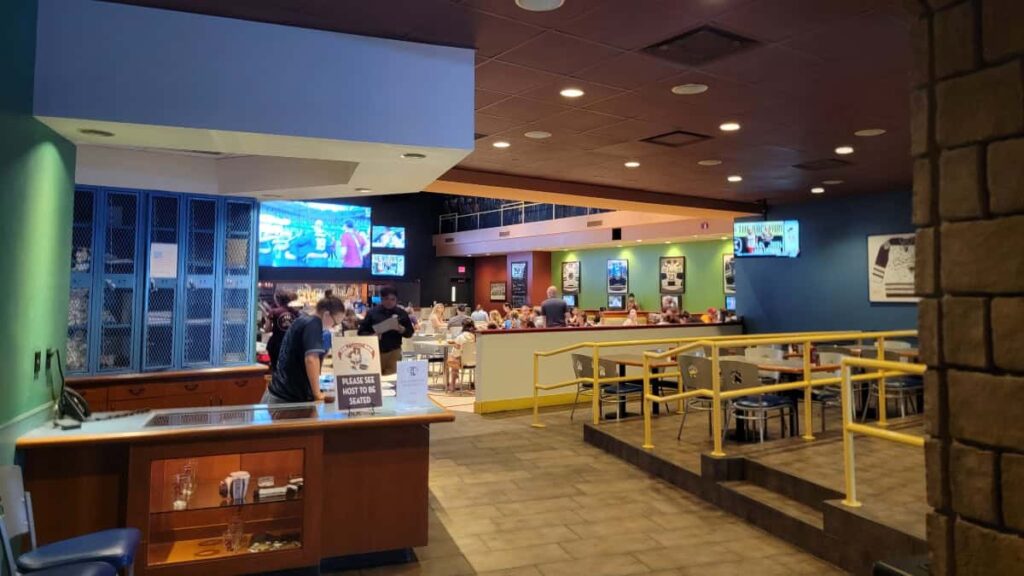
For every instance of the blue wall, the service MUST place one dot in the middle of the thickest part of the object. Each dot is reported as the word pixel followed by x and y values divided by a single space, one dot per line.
pixel 826 287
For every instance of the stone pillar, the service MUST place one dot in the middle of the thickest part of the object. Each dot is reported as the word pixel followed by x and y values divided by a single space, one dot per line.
pixel 967 124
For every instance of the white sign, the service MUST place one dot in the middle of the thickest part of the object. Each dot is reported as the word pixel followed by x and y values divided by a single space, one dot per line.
pixel 357 371
pixel 163 260
pixel 411 386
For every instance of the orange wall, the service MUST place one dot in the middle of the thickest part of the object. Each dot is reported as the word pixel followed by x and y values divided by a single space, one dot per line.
pixel 488 269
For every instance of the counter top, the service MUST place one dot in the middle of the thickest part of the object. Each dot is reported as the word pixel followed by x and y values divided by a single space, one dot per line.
pixel 197 423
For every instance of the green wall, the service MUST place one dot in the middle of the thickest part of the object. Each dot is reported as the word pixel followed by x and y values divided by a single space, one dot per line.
pixel 703 272
pixel 36 192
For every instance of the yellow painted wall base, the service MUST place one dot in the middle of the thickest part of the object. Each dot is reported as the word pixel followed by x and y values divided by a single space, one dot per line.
pixel 524 403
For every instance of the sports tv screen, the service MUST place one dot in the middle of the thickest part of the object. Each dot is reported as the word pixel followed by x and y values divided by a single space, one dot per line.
pixel 388 237
pixel 314 235
pixel 774 238
pixel 388 265
pixel 570 299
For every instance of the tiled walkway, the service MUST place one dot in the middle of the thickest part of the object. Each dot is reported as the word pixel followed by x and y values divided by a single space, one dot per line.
pixel 509 499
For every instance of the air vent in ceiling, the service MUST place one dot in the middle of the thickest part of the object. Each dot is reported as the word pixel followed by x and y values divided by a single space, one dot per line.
pixel 823 164
pixel 594 223
pixel 504 234
pixel 700 46
pixel 676 139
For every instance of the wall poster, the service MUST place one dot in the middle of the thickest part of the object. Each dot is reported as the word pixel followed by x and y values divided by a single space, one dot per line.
pixel 498 292
pixel 518 284
pixel 891 268
pixel 672 279
pixel 729 273
pixel 618 276
pixel 571 277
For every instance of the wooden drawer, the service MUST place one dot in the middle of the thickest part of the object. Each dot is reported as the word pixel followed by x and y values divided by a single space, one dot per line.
pixel 178 401
pixel 241 391
pixel 96 397
pixel 160 389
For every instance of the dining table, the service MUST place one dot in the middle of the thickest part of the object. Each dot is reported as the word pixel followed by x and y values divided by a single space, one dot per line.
pixel 428 347
pixel 626 360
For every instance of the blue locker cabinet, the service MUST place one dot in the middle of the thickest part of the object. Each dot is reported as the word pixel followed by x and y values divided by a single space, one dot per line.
pixel 160 281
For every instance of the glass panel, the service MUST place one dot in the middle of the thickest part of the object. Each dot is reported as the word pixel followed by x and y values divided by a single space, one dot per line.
pixel 121 240
pixel 78 330
pixel 235 306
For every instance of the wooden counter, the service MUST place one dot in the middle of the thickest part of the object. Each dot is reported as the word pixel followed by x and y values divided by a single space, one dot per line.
pixel 365 482
pixel 224 386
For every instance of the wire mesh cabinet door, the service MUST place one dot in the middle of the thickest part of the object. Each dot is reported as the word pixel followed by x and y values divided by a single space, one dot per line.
pixel 117 291
pixel 83 249
pixel 200 282
pixel 161 345
pixel 237 335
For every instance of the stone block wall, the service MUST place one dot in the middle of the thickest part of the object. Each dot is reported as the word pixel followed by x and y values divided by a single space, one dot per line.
pixel 967 123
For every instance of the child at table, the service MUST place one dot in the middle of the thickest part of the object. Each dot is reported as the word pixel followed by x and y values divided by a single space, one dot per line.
pixel 464 344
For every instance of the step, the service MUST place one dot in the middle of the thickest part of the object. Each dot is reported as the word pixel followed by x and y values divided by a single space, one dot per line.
pixel 793 487
pixel 778 502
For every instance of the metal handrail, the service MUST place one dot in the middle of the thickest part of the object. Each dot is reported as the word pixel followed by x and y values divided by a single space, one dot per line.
pixel 520 206
pixel 851 428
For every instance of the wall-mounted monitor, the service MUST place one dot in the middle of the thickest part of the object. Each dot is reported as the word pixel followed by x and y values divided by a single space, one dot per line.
pixel 616 301
pixel 388 265
pixel 314 235
pixel 772 238
pixel 570 299
pixel 389 237
pixel 730 302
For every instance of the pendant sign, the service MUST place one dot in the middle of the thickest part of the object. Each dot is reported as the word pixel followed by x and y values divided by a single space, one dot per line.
pixel 357 372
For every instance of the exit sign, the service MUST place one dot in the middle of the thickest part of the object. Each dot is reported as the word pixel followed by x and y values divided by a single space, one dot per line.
pixel 462 269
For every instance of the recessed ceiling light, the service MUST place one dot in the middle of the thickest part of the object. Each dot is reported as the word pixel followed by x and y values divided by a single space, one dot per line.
pixel 537 134
pixel 729 127
pixel 709 162
pixel 689 89
pixel 724 238
pixel 95 132
pixel 501 144
pixel 632 164
pixel 540 5
pixel 831 182
pixel 364 190
pixel 667 242
pixel 869 132
pixel 817 190
pixel 571 92
pixel 844 150
pixel 639 240
pixel 413 156
pixel 735 178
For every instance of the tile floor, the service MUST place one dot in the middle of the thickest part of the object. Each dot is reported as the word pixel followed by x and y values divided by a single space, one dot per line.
pixel 509 499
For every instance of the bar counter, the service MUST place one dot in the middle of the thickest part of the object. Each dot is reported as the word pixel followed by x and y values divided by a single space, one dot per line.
pixel 363 481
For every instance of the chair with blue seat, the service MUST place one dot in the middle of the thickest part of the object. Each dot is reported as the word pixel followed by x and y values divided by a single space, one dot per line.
pixel 114 548
pixel 696 374
pixel 583 367
pixel 756 408
pixel 903 390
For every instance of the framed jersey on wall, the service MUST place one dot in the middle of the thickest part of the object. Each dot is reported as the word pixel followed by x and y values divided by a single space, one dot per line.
pixel 891 268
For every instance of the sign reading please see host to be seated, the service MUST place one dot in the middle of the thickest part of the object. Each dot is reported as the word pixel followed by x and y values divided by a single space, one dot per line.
pixel 357 372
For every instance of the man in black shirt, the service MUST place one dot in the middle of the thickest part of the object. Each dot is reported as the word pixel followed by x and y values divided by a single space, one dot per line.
pixel 390 341
pixel 296 377
pixel 554 309
pixel 278 321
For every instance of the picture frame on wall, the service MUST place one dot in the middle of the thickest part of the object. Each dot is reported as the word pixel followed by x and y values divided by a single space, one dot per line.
pixel 729 273
pixel 672 274
pixel 616 302
pixel 891 268
pixel 571 277
pixel 498 292
pixel 670 301
pixel 618 276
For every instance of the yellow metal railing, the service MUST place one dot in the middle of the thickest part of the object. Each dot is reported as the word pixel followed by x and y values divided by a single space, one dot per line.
pixel 850 428
pixel 807 383
pixel 723 341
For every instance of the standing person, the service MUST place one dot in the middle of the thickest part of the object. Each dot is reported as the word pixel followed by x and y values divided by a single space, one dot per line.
pixel 296 377
pixel 278 322
pixel 390 341
pixel 354 246
pixel 479 315
pixel 554 309
pixel 463 343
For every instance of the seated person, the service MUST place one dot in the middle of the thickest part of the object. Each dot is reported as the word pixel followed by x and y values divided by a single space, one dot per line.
pixel 462 342
pixel 631 320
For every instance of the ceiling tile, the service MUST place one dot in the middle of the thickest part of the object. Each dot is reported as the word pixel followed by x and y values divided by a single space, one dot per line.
pixel 559 53
pixel 581 120
pixel 486 98
pixel 494 34
pixel 492 124
pixel 629 71
pixel 522 109
pixel 568 11
pixel 632 130
pixel 507 78
pixel 634 24
pixel 632 150
pixel 592 93
pixel 777 20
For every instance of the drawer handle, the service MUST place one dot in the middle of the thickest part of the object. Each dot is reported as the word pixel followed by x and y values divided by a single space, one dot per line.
pixel 136 390
pixel 241 383
pixel 191 387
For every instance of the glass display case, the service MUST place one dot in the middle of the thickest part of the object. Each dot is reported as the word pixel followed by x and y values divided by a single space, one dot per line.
pixel 228 512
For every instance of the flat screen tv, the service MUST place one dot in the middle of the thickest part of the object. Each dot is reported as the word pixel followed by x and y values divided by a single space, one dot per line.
pixel 388 265
pixel 570 300
pixel 388 237
pixel 772 238
pixel 314 235
pixel 730 302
